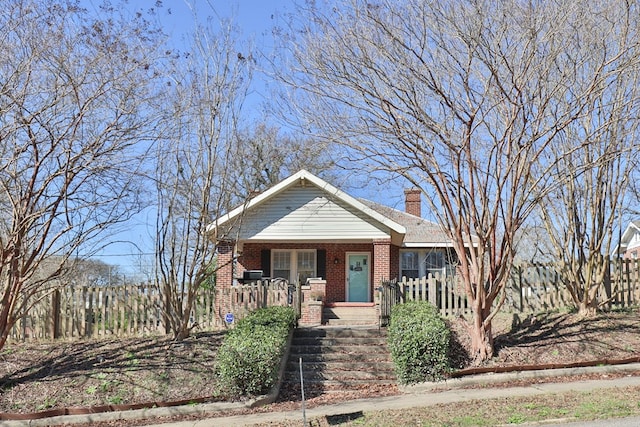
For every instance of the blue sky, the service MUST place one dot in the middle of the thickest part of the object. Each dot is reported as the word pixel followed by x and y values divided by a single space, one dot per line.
pixel 255 20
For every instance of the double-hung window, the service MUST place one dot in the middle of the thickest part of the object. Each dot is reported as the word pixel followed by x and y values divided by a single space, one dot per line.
pixel 294 265
pixel 434 263
pixel 420 263
pixel 410 264
pixel 282 264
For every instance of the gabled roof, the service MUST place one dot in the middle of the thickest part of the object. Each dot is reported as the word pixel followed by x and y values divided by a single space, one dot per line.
pixel 631 230
pixel 304 177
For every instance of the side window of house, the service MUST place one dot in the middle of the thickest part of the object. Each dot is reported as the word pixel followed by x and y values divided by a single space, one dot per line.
pixel 434 263
pixel 282 264
pixel 409 265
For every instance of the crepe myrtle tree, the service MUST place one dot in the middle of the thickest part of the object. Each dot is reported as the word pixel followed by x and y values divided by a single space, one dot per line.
pixel 462 99
pixel 204 95
pixel 213 158
pixel 596 180
pixel 74 101
pixel 582 215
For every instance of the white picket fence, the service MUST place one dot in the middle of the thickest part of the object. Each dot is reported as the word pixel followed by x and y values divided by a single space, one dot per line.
pixel 532 288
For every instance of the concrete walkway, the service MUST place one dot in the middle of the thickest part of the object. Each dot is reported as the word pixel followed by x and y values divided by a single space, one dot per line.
pixel 416 396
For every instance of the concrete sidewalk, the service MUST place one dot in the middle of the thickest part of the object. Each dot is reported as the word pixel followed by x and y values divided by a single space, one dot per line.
pixel 424 394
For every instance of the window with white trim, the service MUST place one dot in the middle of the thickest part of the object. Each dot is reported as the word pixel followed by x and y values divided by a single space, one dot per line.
pixel 409 264
pixel 420 263
pixel 294 265
pixel 434 263
pixel 281 264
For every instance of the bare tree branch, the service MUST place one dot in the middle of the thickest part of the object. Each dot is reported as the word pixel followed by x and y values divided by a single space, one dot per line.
pixel 465 100
pixel 74 105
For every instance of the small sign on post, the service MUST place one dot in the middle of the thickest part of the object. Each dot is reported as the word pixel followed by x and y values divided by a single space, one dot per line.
pixel 228 318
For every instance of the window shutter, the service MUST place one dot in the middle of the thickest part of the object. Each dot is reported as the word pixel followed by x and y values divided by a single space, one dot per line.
pixel 321 263
pixel 265 262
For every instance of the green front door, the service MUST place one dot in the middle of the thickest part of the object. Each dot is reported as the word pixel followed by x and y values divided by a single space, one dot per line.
pixel 358 278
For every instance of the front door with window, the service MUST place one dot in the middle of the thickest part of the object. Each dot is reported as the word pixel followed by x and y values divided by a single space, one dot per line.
pixel 358 283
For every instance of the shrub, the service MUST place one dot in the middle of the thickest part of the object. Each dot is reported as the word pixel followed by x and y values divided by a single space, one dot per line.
pixel 284 317
pixel 419 342
pixel 249 357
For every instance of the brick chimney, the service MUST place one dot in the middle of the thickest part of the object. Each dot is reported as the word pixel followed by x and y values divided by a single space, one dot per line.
pixel 412 201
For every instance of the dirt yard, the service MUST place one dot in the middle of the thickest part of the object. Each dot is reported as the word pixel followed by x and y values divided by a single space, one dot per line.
pixel 40 376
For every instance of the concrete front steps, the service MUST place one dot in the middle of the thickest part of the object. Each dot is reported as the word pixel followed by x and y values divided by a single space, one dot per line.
pixel 350 314
pixel 338 360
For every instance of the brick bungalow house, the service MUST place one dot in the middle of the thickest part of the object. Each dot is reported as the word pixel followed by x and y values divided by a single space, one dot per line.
pixel 305 228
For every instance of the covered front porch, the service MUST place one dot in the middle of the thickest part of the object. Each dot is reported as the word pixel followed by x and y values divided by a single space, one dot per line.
pixel 335 283
pixel 304 228
pixel 351 271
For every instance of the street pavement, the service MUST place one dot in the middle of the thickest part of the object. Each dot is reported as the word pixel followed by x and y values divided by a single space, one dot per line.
pixel 615 422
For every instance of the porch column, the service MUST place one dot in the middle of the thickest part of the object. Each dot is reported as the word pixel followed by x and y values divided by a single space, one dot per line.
pixel 224 278
pixel 381 261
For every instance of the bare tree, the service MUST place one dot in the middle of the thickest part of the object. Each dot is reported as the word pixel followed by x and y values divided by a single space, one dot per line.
pixel 205 95
pixel 582 214
pixel 264 155
pixel 464 100
pixel 73 110
pixel 211 161
pixel 92 272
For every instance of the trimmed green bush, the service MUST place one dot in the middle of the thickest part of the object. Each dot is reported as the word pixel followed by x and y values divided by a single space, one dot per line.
pixel 284 317
pixel 249 357
pixel 418 340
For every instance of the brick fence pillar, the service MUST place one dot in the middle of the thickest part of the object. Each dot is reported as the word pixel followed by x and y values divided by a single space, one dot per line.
pixel 381 262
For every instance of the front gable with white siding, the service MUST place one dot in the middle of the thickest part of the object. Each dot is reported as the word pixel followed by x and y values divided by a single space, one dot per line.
pixel 629 246
pixel 309 214
pixel 305 208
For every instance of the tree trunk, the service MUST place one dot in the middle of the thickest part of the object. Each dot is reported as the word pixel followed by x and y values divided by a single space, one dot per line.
pixel 182 333
pixel 481 338
pixel 587 309
pixel 6 323
pixel 4 336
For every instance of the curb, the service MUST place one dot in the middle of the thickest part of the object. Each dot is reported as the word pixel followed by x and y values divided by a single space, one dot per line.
pixel 199 409
pixel 496 378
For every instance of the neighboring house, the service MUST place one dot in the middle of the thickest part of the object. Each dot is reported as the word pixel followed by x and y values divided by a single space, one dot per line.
pixel 306 228
pixel 629 247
